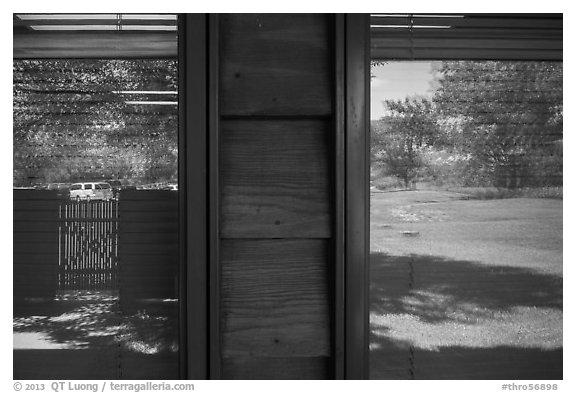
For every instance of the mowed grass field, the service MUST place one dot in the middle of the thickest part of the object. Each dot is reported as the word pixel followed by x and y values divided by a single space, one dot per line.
pixel 465 288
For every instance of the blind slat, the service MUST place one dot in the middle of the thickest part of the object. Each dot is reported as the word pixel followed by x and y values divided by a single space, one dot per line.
pixel 467 37
pixel 468 43
pixel 471 21
pixel 379 33
pixel 95 21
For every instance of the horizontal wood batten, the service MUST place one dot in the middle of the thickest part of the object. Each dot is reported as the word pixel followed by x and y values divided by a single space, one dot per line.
pixel 274 299
pixel 275 64
pixel 251 368
pixel 275 179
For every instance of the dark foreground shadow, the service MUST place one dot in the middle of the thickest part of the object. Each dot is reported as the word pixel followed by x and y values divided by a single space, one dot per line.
pixel 425 292
pixel 455 363
pixel 93 364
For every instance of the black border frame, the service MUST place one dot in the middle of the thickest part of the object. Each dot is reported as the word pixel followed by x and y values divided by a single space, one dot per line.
pixel 352 196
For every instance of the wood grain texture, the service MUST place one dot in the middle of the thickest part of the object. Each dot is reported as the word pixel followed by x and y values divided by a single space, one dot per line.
pixel 275 179
pixel 275 208
pixel 275 64
pixel 275 298
pixel 251 368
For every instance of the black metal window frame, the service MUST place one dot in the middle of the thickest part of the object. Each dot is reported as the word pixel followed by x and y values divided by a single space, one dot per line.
pixel 198 171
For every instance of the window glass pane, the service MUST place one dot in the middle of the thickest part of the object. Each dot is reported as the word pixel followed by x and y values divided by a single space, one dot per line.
pixel 95 268
pixel 466 220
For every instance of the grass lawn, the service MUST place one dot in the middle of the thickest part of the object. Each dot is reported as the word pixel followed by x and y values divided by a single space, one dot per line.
pixel 465 288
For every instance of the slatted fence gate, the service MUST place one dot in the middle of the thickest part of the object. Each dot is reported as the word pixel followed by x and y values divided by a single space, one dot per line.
pixel 88 239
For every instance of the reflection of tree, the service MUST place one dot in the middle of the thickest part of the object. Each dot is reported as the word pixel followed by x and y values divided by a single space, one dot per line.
pixel 94 321
pixel 72 122
pixel 511 118
pixel 399 138
pixel 503 122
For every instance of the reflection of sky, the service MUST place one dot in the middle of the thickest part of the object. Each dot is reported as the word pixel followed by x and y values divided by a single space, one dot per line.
pixel 397 80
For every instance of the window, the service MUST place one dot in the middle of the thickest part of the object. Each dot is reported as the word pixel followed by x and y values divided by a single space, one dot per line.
pixel 96 272
pixel 466 197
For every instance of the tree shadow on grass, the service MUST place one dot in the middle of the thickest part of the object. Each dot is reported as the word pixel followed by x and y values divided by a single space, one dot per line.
pixel 436 318
pixel 66 334
pixel 394 279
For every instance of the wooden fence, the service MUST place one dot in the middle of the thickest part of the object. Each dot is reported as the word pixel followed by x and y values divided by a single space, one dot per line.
pixel 131 246
pixel 35 254
pixel 88 245
pixel 148 246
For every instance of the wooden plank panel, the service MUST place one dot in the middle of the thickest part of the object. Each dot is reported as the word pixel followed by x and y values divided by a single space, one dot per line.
pixel 275 64
pixel 275 179
pixel 275 298
pixel 287 368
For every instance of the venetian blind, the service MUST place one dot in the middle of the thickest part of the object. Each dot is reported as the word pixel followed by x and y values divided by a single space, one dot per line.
pixel 94 36
pixel 466 36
